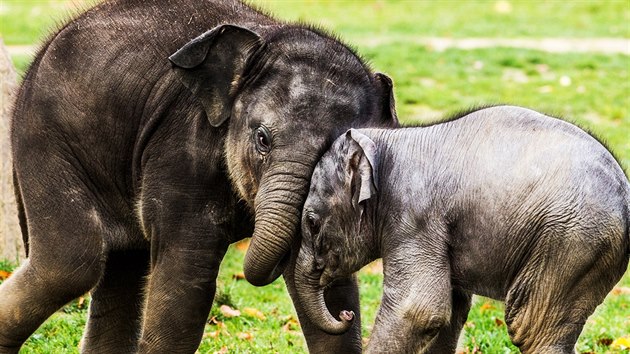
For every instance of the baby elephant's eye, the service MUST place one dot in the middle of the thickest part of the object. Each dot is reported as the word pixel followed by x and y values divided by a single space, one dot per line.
pixel 262 140
pixel 313 223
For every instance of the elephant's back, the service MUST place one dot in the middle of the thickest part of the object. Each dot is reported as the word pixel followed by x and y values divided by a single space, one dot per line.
pixel 525 156
pixel 514 178
pixel 118 50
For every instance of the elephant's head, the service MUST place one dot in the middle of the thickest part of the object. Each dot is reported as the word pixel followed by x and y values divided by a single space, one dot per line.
pixel 338 237
pixel 284 97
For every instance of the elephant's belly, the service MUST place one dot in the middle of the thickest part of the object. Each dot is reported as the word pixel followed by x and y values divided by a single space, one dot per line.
pixel 483 270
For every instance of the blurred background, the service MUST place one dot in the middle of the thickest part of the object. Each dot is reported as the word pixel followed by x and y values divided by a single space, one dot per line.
pixel 565 58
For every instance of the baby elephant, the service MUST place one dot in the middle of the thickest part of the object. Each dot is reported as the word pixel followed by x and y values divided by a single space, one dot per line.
pixel 502 202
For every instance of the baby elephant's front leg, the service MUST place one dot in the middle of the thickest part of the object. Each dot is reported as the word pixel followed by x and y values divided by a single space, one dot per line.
pixel 416 306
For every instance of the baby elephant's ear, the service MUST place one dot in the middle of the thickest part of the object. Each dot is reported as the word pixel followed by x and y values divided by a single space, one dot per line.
pixel 362 165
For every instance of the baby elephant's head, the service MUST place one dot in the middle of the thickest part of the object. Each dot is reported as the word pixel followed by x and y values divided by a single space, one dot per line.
pixel 335 229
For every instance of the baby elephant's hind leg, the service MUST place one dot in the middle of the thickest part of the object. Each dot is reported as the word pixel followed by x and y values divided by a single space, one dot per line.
pixel 64 263
pixel 546 309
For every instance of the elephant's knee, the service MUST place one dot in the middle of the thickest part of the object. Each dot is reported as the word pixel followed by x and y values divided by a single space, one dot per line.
pixel 427 321
pixel 71 275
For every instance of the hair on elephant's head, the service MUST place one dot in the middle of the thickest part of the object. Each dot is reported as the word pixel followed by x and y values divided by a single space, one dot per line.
pixel 337 236
pixel 285 96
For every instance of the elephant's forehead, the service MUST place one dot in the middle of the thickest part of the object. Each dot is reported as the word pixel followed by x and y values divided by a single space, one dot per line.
pixel 327 176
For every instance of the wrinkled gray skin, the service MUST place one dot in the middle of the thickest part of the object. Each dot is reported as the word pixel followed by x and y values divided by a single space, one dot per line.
pixel 503 202
pixel 129 167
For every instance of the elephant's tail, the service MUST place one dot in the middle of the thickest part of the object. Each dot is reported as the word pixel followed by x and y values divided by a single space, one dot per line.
pixel 20 210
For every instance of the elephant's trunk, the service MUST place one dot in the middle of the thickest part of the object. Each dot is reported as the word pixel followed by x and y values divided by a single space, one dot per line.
pixel 278 208
pixel 311 296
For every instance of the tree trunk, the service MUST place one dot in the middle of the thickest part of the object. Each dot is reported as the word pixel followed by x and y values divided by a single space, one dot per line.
pixel 11 247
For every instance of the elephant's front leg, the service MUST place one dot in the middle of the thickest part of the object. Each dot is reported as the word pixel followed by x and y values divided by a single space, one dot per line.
pixel 343 294
pixel 186 251
pixel 417 300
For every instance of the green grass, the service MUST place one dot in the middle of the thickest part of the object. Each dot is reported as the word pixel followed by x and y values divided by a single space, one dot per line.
pixel 24 22
pixel 590 89
pixel 404 19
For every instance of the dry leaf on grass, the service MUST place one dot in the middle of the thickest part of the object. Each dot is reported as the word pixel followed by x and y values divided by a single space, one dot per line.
pixel 252 312
pixel 223 350
pixel 618 290
pixel 487 306
pixel 375 267
pixel 238 276
pixel 605 341
pixel 213 321
pixel 213 334
pixel 228 312
pixel 4 274
pixel 245 336
pixel 290 324
pixel 242 245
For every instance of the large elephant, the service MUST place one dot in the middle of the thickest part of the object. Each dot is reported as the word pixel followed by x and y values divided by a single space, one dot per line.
pixel 130 168
pixel 503 202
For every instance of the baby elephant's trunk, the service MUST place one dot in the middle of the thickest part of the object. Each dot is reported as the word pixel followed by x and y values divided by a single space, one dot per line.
pixel 311 295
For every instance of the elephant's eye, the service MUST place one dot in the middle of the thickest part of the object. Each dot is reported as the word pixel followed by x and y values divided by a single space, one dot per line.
pixel 262 140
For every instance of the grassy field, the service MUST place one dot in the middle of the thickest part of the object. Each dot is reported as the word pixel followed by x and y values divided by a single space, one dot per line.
pixel 592 90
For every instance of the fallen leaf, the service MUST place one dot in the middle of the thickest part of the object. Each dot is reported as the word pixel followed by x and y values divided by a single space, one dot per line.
pixel 81 302
pixel 290 324
pixel 223 350
pixel 486 306
pixel 375 267
pixel 498 322
pixel 287 318
pixel 621 343
pixel 213 334
pixel 605 341
pixel 252 312
pixel 228 312
pixel 245 336
pixel 238 276
pixel 4 274
pixel 242 245
pixel 618 290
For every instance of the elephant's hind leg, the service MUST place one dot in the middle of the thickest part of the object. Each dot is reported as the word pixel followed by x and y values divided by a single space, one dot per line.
pixel 116 306
pixel 65 261
pixel 548 305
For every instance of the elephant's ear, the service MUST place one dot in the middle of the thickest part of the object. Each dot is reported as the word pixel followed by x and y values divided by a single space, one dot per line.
pixel 361 166
pixel 387 104
pixel 212 65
